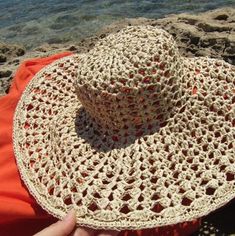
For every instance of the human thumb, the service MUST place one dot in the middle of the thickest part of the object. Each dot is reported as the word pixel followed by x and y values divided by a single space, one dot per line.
pixel 60 228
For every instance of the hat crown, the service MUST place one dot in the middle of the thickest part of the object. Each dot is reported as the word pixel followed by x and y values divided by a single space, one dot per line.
pixel 130 78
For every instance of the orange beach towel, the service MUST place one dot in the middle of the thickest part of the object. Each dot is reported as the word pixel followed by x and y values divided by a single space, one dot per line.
pixel 19 212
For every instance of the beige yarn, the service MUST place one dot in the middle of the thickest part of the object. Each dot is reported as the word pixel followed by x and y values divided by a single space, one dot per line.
pixel 149 144
pixel 128 80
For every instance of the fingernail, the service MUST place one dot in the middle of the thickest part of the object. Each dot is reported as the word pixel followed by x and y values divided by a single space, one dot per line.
pixel 69 215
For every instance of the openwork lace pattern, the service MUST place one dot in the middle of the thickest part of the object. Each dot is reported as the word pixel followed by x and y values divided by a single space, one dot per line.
pixel 131 135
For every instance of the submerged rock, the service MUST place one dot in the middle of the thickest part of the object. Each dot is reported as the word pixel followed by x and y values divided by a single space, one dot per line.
pixel 11 50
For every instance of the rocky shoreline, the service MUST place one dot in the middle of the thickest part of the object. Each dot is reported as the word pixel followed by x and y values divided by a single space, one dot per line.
pixel 209 34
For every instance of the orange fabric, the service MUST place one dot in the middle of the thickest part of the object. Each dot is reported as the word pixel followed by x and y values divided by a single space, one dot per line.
pixel 17 207
pixel 19 212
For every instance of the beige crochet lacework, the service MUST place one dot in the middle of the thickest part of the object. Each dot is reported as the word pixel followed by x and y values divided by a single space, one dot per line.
pixel 166 169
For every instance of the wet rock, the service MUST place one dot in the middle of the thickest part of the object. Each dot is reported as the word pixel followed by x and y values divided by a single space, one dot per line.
pixel 5 73
pixel 11 50
pixel 221 17
pixel 230 50
pixel 213 27
pixel 14 62
pixel 91 45
pixel 72 48
pixel 194 40
pixel 3 58
pixel 5 85
pixel 4 48
pixel 19 51
pixel 229 59
pixel 188 20
pixel 43 48
pixel 191 49
pixel 207 41
pixel 203 53
pixel 102 36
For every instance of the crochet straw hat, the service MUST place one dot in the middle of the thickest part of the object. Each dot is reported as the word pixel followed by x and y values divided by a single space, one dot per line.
pixel 131 135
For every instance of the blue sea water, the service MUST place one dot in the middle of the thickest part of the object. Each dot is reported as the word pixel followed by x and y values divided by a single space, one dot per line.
pixel 33 22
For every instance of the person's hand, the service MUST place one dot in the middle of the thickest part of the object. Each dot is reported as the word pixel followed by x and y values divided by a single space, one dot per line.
pixel 66 227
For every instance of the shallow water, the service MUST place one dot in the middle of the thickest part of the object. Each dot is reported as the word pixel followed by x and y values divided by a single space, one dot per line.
pixel 33 22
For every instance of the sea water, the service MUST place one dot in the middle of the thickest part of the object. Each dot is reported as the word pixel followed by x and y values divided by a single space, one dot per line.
pixel 33 22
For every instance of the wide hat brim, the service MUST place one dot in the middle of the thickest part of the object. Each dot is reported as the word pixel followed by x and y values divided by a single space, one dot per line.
pixel 183 171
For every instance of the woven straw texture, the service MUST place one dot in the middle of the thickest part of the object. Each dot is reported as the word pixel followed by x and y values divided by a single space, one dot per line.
pixel 131 135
